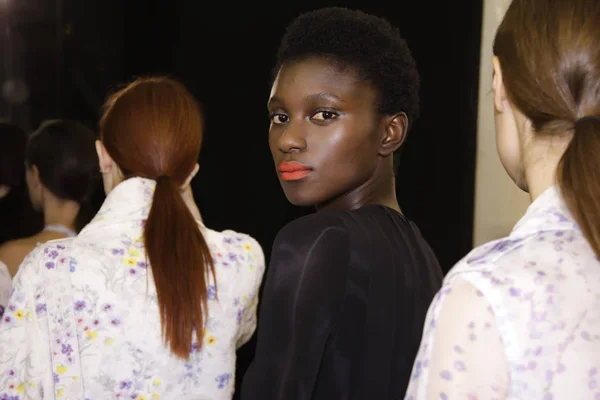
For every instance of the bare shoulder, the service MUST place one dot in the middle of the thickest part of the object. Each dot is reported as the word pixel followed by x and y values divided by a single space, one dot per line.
pixel 13 253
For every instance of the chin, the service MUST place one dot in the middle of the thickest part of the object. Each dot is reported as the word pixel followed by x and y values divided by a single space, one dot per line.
pixel 299 199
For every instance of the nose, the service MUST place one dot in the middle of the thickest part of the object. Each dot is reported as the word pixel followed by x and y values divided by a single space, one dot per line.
pixel 292 138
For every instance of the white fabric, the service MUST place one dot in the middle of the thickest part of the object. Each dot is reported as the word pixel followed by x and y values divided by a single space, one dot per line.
pixel 117 321
pixel 518 318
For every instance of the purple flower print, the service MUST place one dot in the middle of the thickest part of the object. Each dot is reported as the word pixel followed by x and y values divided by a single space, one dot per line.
pixel 223 380
pixel 446 375
pixel 212 291
pixel 126 385
pixel 67 349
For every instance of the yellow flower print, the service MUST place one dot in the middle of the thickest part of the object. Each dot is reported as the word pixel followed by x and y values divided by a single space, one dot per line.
pixel 155 396
pixel 247 247
pixel 92 334
pixel 32 385
pixel 60 393
pixel 142 397
pixel 134 252
pixel 28 315
pixel 21 388
pixel 61 369
pixel 109 341
pixel 156 382
pixel 19 314
pixel 130 261
pixel 210 340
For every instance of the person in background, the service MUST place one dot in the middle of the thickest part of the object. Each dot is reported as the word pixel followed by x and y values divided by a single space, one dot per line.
pixel 348 286
pixel 145 302
pixel 62 175
pixel 519 317
pixel 18 219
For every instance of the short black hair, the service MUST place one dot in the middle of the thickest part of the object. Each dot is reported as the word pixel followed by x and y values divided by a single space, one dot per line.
pixel 368 44
pixel 64 152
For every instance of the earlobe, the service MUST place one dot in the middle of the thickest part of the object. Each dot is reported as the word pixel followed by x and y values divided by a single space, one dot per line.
pixel 191 175
pixel 103 158
pixel 396 127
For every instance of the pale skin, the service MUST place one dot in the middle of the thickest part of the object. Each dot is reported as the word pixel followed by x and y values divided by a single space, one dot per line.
pixel 112 176
pixel 530 160
pixel 55 211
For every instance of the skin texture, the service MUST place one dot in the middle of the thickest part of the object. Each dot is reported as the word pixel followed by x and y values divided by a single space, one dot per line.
pixel 326 120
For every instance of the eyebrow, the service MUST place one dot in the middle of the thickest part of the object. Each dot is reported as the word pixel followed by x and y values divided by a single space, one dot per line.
pixel 310 97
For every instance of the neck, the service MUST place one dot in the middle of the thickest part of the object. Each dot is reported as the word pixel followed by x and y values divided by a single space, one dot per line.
pixel 380 189
pixel 540 174
pixel 60 211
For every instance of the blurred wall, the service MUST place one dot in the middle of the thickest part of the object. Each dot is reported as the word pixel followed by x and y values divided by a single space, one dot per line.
pixel 498 202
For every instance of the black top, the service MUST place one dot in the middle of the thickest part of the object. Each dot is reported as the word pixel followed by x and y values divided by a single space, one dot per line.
pixel 343 308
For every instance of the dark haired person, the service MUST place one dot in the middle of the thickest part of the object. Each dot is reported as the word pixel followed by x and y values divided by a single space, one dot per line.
pixel 145 302
pixel 519 317
pixel 348 286
pixel 61 174
pixel 18 219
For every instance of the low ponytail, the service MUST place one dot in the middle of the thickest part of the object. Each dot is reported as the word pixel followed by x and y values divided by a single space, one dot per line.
pixel 180 261
pixel 579 178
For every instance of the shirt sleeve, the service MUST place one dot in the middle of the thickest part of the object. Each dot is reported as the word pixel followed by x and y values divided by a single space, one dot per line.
pixel 303 293
pixel 461 355
pixel 25 368
pixel 248 316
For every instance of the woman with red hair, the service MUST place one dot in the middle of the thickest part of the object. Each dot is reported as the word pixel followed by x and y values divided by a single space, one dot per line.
pixel 145 302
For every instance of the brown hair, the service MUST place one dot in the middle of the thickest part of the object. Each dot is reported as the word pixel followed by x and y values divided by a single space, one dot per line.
pixel 549 52
pixel 152 128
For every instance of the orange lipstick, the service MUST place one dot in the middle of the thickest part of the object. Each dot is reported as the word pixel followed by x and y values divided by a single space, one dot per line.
pixel 293 171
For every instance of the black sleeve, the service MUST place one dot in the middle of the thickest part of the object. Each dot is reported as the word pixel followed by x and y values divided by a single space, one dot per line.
pixel 303 293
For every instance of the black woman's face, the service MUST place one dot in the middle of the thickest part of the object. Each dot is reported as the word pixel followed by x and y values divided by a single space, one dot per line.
pixel 324 133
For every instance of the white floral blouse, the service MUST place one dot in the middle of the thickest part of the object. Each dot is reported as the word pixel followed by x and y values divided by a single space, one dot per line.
pixel 517 318
pixel 82 321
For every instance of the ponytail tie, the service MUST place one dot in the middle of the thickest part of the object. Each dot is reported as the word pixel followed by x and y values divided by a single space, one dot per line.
pixel 581 120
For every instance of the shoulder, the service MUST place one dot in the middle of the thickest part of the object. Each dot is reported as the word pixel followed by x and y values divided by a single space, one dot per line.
pixel 313 228
pixel 13 253
pixel 232 248
pixel 316 244
pixel 525 255
pixel 233 241
pixel 512 272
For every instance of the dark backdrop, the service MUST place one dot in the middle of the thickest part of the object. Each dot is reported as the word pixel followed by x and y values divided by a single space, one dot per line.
pixel 224 53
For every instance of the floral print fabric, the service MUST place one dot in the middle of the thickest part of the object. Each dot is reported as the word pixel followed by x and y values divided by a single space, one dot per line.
pixel 517 318
pixel 83 322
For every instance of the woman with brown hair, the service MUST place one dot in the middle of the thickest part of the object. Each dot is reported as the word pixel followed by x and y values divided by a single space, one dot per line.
pixel 145 302
pixel 519 318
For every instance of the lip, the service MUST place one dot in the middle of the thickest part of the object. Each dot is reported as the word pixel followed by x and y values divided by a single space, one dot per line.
pixel 293 171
